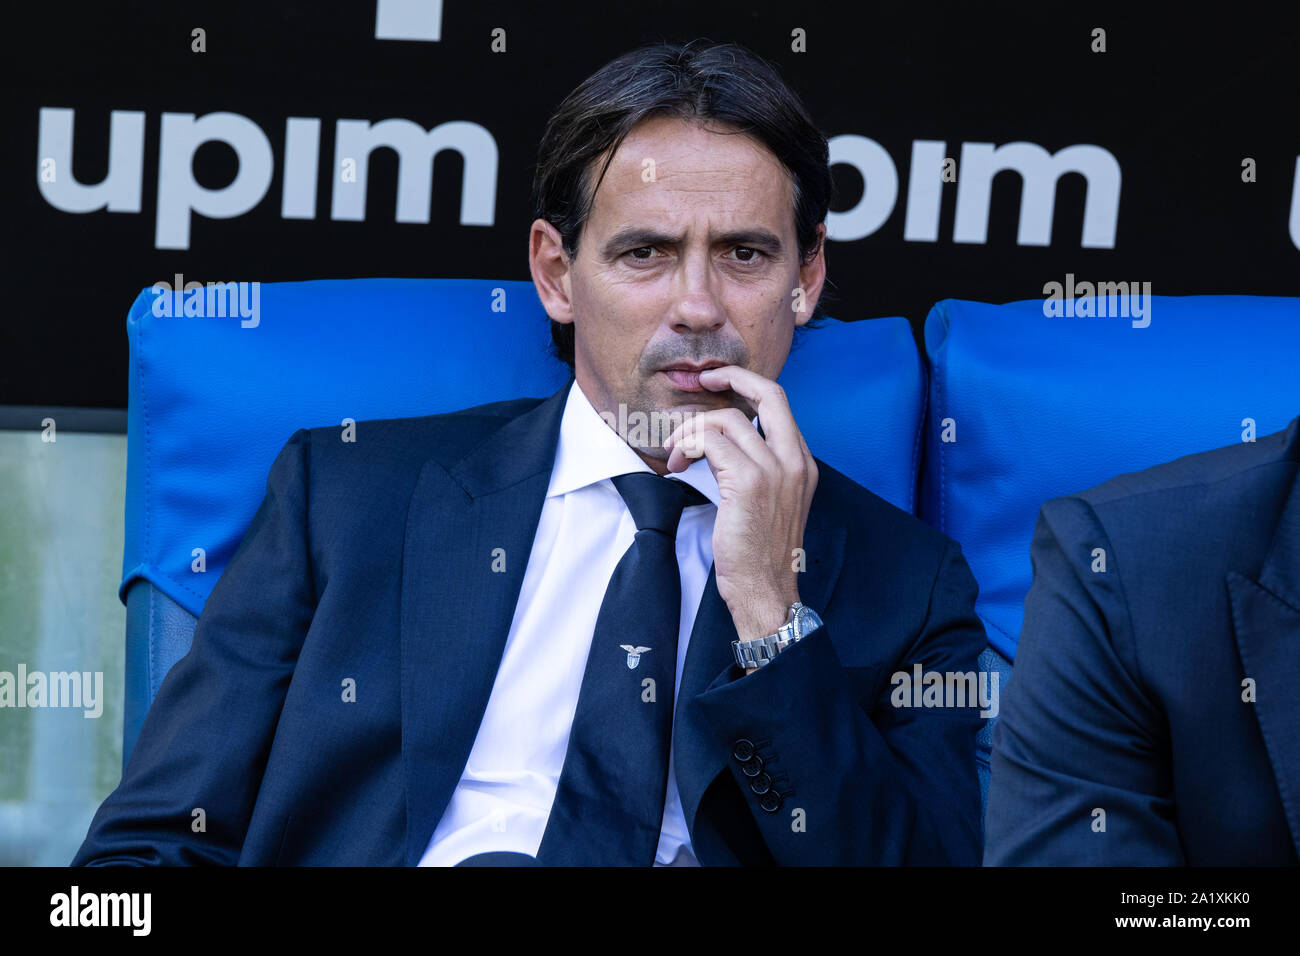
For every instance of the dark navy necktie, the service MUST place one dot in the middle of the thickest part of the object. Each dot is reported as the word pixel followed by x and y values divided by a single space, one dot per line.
pixel 609 803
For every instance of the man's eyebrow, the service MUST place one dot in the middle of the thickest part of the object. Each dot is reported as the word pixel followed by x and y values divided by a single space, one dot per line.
pixel 635 237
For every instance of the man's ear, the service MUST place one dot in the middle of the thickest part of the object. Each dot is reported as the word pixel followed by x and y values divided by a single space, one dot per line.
pixel 550 268
pixel 812 276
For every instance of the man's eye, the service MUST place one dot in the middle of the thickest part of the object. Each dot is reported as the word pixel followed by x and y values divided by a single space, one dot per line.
pixel 649 249
pixel 751 249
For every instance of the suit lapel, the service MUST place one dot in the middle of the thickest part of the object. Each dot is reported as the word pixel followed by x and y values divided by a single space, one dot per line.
pixel 697 758
pixel 1266 622
pixel 456 611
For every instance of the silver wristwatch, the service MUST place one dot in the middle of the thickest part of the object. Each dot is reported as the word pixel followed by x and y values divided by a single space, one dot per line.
pixel 799 623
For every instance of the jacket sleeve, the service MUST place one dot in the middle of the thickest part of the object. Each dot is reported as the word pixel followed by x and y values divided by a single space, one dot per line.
pixel 205 740
pixel 1077 776
pixel 867 783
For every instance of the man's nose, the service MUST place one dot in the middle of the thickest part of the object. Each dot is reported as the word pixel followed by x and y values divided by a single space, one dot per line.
pixel 696 306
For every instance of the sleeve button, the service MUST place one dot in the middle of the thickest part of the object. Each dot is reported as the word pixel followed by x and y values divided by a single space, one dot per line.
pixel 770 802
pixel 752 767
pixel 761 784
pixel 743 749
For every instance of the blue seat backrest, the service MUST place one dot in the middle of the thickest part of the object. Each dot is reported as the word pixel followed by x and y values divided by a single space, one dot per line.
pixel 1025 407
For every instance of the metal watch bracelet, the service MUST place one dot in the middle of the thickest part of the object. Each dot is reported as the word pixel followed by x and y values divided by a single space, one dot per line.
pixel 763 650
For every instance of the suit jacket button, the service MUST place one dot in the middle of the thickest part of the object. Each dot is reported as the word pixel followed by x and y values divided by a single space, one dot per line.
pixel 743 749
pixel 752 767
pixel 771 802
pixel 761 784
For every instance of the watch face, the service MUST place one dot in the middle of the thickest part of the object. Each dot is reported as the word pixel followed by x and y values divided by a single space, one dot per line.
pixel 806 620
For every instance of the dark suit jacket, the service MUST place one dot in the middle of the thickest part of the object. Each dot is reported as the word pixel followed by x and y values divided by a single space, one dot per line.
pixel 371 561
pixel 1128 688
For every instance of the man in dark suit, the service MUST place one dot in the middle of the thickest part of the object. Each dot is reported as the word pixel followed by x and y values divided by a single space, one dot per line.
pixel 522 628
pixel 1153 716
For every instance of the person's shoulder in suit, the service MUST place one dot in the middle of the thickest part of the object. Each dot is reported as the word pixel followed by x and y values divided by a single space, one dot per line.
pixel 1116 703
pixel 1210 512
pixel 356 482
pixel 445 437
pixel 869 513
pixel 901 569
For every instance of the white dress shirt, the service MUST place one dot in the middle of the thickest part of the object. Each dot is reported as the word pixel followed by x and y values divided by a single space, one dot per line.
pixel 504 796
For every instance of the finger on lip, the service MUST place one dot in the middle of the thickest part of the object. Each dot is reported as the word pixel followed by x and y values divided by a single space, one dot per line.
pixel 741 381
pixel 711 379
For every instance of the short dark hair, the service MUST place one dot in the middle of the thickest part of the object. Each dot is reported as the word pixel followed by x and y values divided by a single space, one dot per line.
pixel 696 80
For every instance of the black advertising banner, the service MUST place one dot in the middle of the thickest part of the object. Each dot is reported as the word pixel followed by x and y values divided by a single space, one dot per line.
pixel 978 154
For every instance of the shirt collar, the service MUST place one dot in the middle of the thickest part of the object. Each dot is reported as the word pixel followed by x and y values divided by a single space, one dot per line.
pixel 590 451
